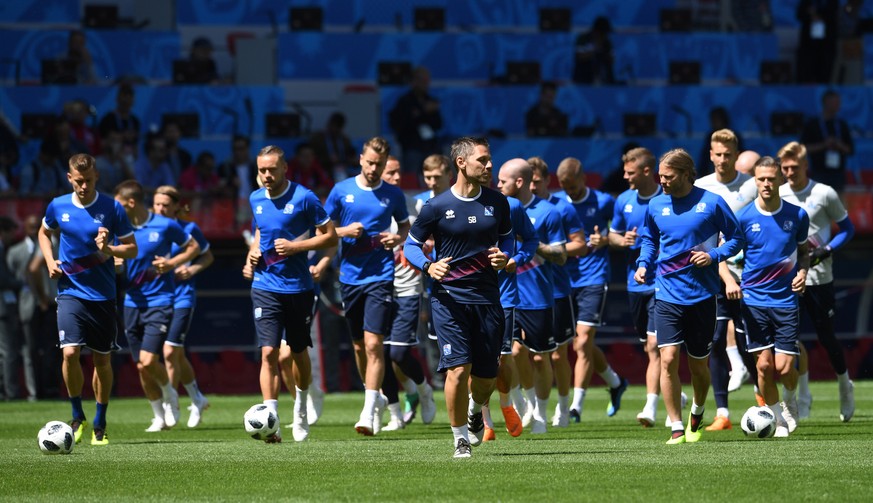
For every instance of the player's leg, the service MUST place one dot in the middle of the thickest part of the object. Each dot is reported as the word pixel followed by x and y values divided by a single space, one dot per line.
pixel 73 320
pixel 538 341
pixel 642 309
pixel 718 367
pixel 699 327
pixel 563 326
pixel 134 332
pixel 376 303
pixel 821 297
pixel 179 368
pixel 298 312
pixel 507 378
pixel 524 370
pixel 787 329
pixel 269 318
pixel 485 341
pixel 101 339
pixel 156 322
pixel 409 371
pixel 670 337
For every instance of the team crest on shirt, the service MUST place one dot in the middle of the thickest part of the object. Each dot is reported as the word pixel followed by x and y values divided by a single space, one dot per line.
pixel 533 220
pixel 384 202
pixel 665 212
pixel 489 211
pixel 163 329
pixel 450 214
pixel 628 208
pixel 756 227
pixel 447 349
pixel 701 207
pixel 289 208
pixel 258 313
pixel 61 335
pixel 65 217
pixel 350 198
pixel 590 212
pixel 98 218
pixel 154 237
pixel 787 226
pixel 259 210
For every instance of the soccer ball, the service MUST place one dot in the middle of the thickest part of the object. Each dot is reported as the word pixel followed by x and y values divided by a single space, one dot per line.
pixel 759 422
pixel 56 437
pixel 260 421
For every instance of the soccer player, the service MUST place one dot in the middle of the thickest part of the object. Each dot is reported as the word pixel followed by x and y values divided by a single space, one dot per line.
pixel 589 277
pixel 534 316
pixel 473 239
pixel 283 299
pixel 88 223
pixel 824 207
pixel 680 238
pixel 564 322
pixel 166 204
pixel 776 264
pixel 738 190
pixel 403 336
pixel 362 208
pixel 628 220
pixel 148 301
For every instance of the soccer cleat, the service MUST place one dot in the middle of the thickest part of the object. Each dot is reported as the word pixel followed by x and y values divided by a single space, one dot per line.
pixel 678 437
pixel 738 377
pixel 537 426
pixel 513 422
pixel 314 404
pixel 410 407
pixel 78 426
pixel 98 436
pixel 561 419
pixel 646 418
pixel 196 412
pixel 158 424
pixel 171 409
pixel 615 397
pixel 788 415
pixel 364 426
pixel 300 427
pixel 693 431
pixel 428 405
pixel 490 436
pixel 575 415
pixel 476 428
pixel 847 402
pixel 394 424
pixel 527 417
pixel 275 438
pixel 463 450
pixel 759 399
pixel 781 431
pixel 720 423
pixel 379 413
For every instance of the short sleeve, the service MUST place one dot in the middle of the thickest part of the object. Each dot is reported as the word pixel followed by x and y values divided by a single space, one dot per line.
pixel 50 222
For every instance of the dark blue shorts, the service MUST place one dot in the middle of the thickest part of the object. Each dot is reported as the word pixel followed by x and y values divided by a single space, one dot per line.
pixel 468 334
pixel 509 331
pixel 818 302
pixel 691 325
pixel 146 329
pixel 642 309
pixel 88 323
pixel 283 316
pixel 368 307
pixel 563 321
pixel 772 327
pixel 729 310
pixel 590 301
pixel 404 329
pixel 537 327
pixel 179 326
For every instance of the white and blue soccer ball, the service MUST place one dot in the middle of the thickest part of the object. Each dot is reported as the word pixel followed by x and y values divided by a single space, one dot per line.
pixel 758 422
pixel 260 421
pixel 56 437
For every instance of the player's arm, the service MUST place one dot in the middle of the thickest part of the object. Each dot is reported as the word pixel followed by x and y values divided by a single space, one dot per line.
pixel 45 246
pixel 125 249
pixel 389 240
pixel 733 238
pixel 204 260
pixel 845 232
pixel 325 237
pixel 556 253
pixel 354 230
pixel 317 269
pixel 576 245
pixel 254 253
pixel 189 252
pixel 624 239
pixel 731 288
pixel 798 284
pixel 650 241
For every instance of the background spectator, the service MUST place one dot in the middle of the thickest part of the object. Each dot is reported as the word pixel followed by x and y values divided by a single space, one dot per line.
pixel 177 157
pixel 115 164
pixel 78 114
pixel 416 120
pixel 334 149
pixel 44 176
pixel 305 169
pixel 9 287
pixel 78 53
pixel 828 142
pixel 201 179
pixel 817 45
pixel 18 258
pixel 544 118
pixel 594 56
pixel 201 56
pixel 152 170
pixel 122 119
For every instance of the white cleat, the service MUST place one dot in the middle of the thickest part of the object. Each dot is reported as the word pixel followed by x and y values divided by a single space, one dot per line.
pixel 789 413
pixel 171 410
pixel 561 419
pixel 738 377
pixel 537 426
pixel 427 404
pixel 781 432
pixel 394 424
pixel 364 426
pixel 527 418
pixel 647 418
pixel 300 428
pixel 847 402
pixel 314 404
pixel 158 424
pixel 379 413
pixel 196 412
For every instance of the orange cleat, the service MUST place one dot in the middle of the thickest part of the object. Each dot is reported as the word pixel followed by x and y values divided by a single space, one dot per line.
pixel 720 423
pixel 489 435
pixel 760 400
pixel 513 422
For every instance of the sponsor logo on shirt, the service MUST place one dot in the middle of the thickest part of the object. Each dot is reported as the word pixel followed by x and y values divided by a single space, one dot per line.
pixel 628 208
pixel 756 227
pixel 289 208
pixel 350 198
pixel 489 211
pixel 154 237
pixel 450 214
pixel 665 212
pixel 701 207
pixel 259 210
pixel 65 217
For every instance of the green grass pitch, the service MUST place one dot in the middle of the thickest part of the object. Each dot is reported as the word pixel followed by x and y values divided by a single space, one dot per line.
pixel 600 459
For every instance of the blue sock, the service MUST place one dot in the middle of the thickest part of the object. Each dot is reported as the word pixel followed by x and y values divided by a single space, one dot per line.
pixel 100 415
pixel 78 413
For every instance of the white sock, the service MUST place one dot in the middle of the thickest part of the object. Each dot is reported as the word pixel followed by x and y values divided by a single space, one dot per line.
pixel 460 432
pixel 167 391
pixel 394 410
pixel 677 425
pixel 423 388
pixel 409 387
pixel 474 407
pixel 542 407
pixel 300 402
pixel 370 398
pixel 788 394
pixel 843 379
pixel 803 384
pixel 531 395
pixel 273 405
pixel 777 411
pixel 696 409
pixel 723 411
pixel 734 356
pixel 651 402
pixel 563 400
pixel 505 400
pixel 611 378
pixel 578 397
pixel 158 408
pixel 517 398
pixel 193 391
pixel 486 416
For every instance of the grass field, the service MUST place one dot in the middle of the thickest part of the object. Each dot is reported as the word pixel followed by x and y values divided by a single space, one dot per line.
pixel 600 459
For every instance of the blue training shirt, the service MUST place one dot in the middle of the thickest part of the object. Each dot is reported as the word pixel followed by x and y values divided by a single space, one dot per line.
pixel 464 228
pixel 595 209
pixel 630 213
pixel 535 278
pixel 365 260
pixel 88 273
pixel 771 253
pixel 291 215
pixel 571 224
pixel 154 238
pixel 525 249
pixel 185 296
pixel 675 227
